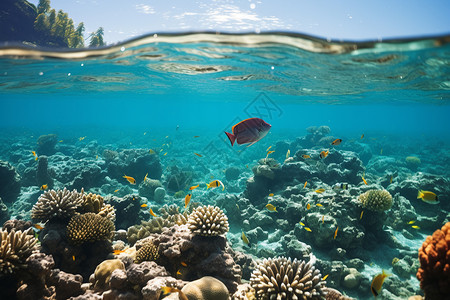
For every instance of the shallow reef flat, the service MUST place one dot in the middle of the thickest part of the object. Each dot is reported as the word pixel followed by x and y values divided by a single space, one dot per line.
pixel 292 217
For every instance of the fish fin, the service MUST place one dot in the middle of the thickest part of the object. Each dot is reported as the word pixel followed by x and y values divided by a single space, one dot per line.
pixel 207 186
pixel 419 194
pixel 231 137
pixel 251 144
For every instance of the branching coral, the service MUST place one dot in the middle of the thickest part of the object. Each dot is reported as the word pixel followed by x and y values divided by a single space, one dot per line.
pixel 15 248
pixel 208 221
pixel 57 204
pixel 89 227
pixel 281 278
pixel 376 200
pixel 434 271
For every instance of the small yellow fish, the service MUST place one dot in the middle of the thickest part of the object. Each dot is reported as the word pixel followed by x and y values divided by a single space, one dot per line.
pixel 270 152
pixel 151 151
pixel 145 178
pixel 81 138
pixel 411 222
pixel 179 273
pixel 167 136
pixel 288 153
pixel 130 179
pixel 43 187
pixel 323 219
pixel 245 239
pixel 306 182
pixel 362 136
pixel 184 264
pixel 335 233
pixel 161 150
pixel 187 199
pixel 194 187
pixel 325 277
pixel 199 155
pixel 116 191
pixel 377 283
pixel 152 213
pixel 34 153
pixel 307 229
pixel 145 133
pixel 167 290
pixel 308 206
pixel 214 184
pixel 36 158
pixel 428 197
pixel 117 252
pixel 271 195
pixel 365 182
pixel 320 191
pixel 60 141
pixel 73 257
pixel 268 148
pixel 96 157
pixel 390 180
pixel 306 156
pixel 165 154
pixel 144 205
pixel 270 207
pixel 246 166
pixel 415 227
pixel 301 223
pixel 381 151
pixel 319 205
pixel 360 217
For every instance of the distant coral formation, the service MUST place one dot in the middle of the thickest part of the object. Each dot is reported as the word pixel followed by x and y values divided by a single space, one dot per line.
pixel 208 221
pixel 57 204
pixel 283 278
pixel 376 200
pixel 15 248
pixel 434 271
pixel 89 227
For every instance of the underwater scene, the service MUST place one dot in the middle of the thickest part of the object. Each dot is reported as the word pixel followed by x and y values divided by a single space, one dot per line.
pixel 226 166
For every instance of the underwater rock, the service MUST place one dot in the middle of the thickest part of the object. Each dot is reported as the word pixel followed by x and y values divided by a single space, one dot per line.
pixel 229 203
pixel 232 173
pixel 46 144
pixel 42 175
pixel 206 288
pixel 152 290
pixel 89 176
pixel 141 273
pixel 102 275
pixel 9 182
pixel 147 189
pixel 412 162
pixel 4 213
pixel 34 286
pixel 127 210
pixel 177 179
pixel 67 285
pixel 352 279
pixel 159 194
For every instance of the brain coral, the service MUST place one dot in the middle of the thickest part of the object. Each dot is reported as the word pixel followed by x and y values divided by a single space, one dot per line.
pixel 434 271
pixel 57 204
pixel 208 221
pixel 15 248
pixel 89 227
pixel 281 278
pixel 376 200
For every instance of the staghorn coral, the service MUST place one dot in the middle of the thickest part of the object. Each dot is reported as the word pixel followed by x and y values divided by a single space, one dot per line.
pixel 281 278
pixel 146 251
pixel 376 200
pixel 208 221
pixel 57 204
pixel 15 248
pixel 89 227
pixel 434 271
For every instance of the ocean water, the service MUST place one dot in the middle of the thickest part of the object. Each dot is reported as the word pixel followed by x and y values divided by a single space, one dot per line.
pixel 159 91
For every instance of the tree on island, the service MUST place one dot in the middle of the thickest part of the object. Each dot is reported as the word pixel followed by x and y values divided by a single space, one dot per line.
pixel 97 38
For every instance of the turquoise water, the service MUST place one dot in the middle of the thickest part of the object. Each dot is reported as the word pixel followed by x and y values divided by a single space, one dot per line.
pixel 167 89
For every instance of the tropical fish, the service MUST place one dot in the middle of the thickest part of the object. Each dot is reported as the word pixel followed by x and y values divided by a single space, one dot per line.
pixel 362 136
pixel 96 157
pixel 152 213
pixel 196 136
pixel 179 273
pixel 390 180
pixel 325 277
pixel 340 186
pixel 168 290
pixel 411 222
pixel 116 191
pixel 187 199
pixel 323 219
pixel 214 184
pixel 271 194
pixel 306 156
pixel 395 260
pixel 117 252
pixel 248 131
pixel 336 142
pixel 144 205
pixel 320 191
pixel 199 155
pixel 167 136
pixel 245 239
pixel 34 153
pixel 270 152
pixel 145 178
pixel 43 187
pixel 415 227
pixel 308 206
pixel 268 148
pixel 365 182
pixel 145 133
pixel 194 187
pixel 377 283
pixel 38 226
pixel 288 153
pixel 307 229
pixel 184 264
pixel 335 233
pixel 319 205
pixel 428 197
pixel 301 223
pixel 73 257
pixel 306 182
pixel 360 217
pixel 130 179
pixel 324 154
pixel 165 154
pixel 271 207
pixel 81 138
pixel 151 151
pixel 60 141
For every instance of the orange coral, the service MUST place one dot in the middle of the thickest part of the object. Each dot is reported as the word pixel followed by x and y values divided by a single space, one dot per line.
pixel 434 271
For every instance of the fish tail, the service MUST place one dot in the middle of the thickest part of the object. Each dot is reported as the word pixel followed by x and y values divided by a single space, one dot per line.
pixel 207 186
pixel 419 195
pixel 231 137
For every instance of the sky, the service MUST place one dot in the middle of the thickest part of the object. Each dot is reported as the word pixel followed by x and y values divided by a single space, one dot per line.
pixel 354 20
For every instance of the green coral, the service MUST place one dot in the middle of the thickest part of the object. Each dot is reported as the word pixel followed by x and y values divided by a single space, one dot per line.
pixel 89 227
pixel 376 200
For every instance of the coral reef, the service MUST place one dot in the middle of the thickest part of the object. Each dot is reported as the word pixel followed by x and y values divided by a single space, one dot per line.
pixel 89 227
pixel 146 251
pixel 133 162
pixel 208 221
pixel 9 182
pixel 206 288
pixel 147 188
pixel 376 200
pixel 15 248
pixel 281 278
pixel 103 271
pixel 434 271
pixel 177 179
pixel 46 144
pixel 127 209
pixel 42 172
pixel 61 204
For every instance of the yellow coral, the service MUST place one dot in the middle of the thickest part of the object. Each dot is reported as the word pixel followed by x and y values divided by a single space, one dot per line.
pixel 89 227
pixel 376 200
pixel 15 248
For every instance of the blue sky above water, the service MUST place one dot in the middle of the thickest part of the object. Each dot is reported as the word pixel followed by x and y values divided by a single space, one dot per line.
pixel 349 20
